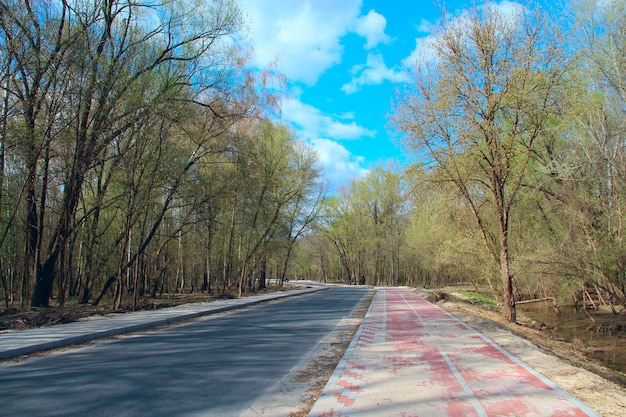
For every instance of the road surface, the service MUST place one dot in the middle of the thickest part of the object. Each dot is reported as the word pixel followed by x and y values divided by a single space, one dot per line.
pixel 213 367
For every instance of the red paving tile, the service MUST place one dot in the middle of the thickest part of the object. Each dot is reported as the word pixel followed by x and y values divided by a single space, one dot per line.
pixel 410 358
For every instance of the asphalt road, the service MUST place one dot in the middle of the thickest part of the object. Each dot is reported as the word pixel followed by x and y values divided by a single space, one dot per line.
pixel 213 367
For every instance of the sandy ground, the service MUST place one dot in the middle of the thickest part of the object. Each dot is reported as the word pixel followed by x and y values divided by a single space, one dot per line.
pixel 592 385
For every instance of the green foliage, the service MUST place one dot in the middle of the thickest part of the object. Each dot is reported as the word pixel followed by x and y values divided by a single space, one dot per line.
pixel 479 109
pixel 442 236
pixel 366 225
pixel 526 153
pixel 138 158
pixel 140 142
pixel 480 298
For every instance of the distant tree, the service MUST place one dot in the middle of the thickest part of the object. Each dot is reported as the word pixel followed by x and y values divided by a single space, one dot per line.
pixel 340 226
pixel 303 210
pixel 365 223
pixel 380 198
pixel 480 99
pixel 280 193
pixel 442 237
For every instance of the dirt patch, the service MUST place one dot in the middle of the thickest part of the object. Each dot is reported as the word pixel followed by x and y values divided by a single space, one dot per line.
pixel 562 362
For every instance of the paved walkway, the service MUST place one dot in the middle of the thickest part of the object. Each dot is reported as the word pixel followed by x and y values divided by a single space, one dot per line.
pixel 23 342
pixel 410 358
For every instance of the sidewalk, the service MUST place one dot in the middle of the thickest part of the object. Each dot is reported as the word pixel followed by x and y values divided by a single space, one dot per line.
pixel 410 358
pixel 23 342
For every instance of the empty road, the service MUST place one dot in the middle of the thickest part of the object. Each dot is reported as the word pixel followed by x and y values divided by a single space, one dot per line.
pixel 217 366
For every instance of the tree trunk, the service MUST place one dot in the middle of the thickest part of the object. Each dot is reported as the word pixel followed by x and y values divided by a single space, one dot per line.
pixel 283 271
pixel 42 290
pixel 507 280
pixel 64 268
pixel 45 280
pixel 5 287
pixel 155 227
pixel 3 131
pixel 119 290
pixel 323 266
pixel 206 286
pixel 32 237
pixel 242 277
pixel 263 274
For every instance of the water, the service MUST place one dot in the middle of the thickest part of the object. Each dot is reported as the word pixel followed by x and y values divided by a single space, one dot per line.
pixel 601 335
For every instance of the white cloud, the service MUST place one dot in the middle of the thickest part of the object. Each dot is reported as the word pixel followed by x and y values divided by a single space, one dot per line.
pixel 339 164
pixel 425 26
pixel 374 72
pixel 304 39
pixel 311 122
pixel 424 51
pixel 507 8
pixel 372 28
pixel 303 35
pixel 323 131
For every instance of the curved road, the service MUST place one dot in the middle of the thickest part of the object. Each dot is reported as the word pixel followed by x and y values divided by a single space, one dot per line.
pixel 212 367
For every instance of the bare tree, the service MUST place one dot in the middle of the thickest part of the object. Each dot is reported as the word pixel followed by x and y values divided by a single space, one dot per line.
pixel 481 96
pixel 86 73
pixel 591 171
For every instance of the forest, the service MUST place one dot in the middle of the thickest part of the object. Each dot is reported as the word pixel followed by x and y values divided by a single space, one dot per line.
pixel 141 155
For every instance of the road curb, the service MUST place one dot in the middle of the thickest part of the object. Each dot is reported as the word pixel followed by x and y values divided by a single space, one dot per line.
pixel 150 320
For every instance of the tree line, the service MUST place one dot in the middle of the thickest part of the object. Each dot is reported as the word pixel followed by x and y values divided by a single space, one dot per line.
pixel 515 123
pixel 138 156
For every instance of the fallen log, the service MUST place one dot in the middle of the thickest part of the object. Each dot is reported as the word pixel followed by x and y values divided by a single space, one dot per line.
pixel 537 300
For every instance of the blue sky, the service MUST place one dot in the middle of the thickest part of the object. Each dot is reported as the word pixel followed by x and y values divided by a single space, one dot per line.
pixel 343 60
